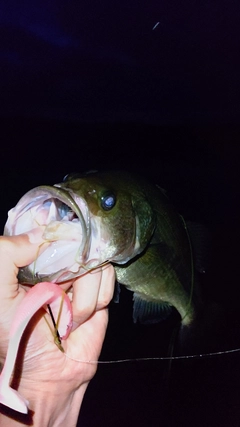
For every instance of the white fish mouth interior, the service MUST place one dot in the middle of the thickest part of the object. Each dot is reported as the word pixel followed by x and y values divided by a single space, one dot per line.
pixel 49 211
pixel 65 230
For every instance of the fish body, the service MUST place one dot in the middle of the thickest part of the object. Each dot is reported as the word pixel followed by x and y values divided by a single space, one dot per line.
pixel 115 217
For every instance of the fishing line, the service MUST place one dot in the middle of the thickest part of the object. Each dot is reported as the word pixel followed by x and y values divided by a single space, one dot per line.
pixel 141 359
pixel 192 267
pixel 175 332
pixel 55 333
pixel 147 359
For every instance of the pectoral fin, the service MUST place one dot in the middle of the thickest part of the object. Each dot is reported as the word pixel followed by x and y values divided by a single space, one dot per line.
pixel 116 295
pixel 149 312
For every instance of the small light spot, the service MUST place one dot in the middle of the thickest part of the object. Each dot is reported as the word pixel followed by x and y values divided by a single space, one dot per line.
pixel 155 26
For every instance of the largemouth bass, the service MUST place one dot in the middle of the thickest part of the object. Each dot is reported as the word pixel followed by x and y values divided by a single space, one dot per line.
pixel 116 217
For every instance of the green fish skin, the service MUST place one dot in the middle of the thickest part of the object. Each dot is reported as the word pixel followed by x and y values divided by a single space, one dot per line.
pixel 161 274
pixel 115 217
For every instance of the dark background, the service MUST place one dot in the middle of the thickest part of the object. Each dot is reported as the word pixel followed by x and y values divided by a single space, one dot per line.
pixel 93 85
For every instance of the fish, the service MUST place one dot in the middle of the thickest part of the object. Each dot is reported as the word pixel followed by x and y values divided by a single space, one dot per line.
pixel 117 217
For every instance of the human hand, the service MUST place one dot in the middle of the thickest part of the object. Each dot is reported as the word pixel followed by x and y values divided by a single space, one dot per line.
pixel 45 376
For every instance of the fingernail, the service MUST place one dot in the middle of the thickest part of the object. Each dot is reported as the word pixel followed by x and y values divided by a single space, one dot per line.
pixel 35 235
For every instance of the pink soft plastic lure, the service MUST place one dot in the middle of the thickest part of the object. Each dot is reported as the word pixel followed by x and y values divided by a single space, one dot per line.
pixel 38 296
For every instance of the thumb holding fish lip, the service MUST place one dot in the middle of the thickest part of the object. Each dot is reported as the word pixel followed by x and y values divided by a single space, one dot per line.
pixel 44 362
pixel 15 252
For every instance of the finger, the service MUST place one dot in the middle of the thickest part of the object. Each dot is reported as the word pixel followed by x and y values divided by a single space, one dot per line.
pixel 107 286
pixel 85 296
pixel 18 251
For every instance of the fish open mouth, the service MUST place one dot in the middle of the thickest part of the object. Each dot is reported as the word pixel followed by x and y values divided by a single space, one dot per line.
pixel 65 221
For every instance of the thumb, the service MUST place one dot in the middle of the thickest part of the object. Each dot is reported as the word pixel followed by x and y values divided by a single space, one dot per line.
pixel 18 251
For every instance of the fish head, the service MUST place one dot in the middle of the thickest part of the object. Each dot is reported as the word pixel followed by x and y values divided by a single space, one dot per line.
pixel 121 220
pixel 87 220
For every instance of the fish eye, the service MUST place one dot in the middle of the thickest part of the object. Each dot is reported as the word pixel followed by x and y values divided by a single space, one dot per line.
pixel 108 201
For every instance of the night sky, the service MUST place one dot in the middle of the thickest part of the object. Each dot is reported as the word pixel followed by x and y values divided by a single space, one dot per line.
pixel 167 62
pixel 151 87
